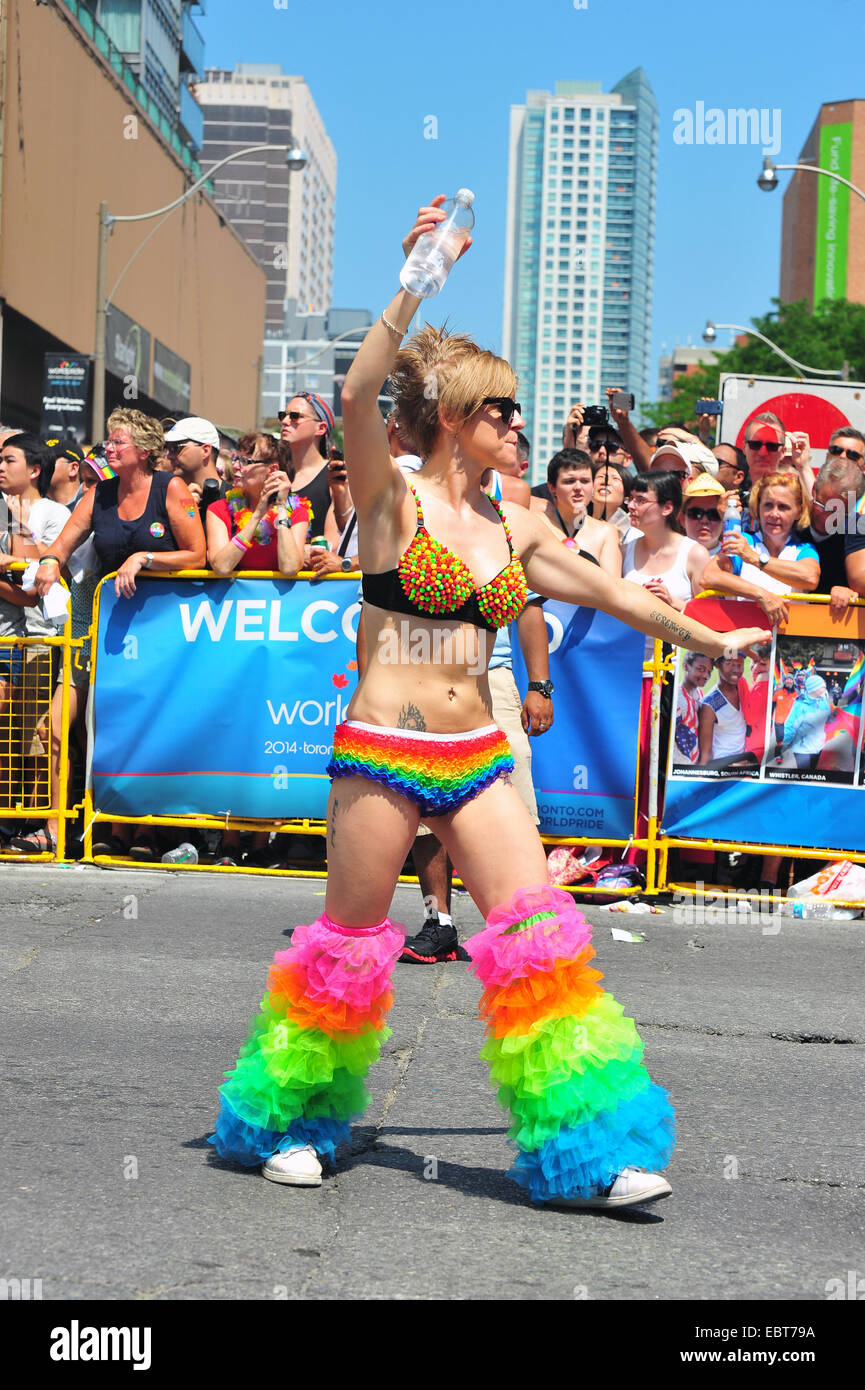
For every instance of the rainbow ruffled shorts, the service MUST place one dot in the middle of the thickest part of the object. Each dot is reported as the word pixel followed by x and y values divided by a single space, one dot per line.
pixel 438 772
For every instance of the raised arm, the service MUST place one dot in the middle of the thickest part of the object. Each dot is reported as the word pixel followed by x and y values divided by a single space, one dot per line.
pixel 370 468
pixel 559 573
pixel 640 451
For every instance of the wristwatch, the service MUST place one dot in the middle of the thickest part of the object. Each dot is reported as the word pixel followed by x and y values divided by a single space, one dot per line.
pixel 544 688
pixel 346 565
pixel 148 560
pixel 763 561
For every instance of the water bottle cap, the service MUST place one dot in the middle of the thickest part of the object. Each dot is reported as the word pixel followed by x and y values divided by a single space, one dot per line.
pixel 464 196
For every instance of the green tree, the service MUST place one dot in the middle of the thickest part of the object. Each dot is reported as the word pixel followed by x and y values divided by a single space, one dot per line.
pixel 827 337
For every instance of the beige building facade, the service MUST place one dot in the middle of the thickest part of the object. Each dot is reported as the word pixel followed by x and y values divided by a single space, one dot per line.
pixel 188 313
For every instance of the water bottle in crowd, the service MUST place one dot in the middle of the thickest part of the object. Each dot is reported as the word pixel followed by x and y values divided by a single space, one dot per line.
pixel 184 854
pixel 428 266
pixel 733 525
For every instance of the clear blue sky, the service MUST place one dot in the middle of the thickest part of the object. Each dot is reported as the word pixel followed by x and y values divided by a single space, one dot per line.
pixel 376 70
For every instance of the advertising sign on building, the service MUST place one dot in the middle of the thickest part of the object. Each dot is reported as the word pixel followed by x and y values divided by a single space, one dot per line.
pixel 65 388
pixel 127 351
pixel 833 213
pixel 172 379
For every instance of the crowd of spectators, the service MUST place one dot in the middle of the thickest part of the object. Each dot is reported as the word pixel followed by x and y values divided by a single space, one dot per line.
pixel 648 505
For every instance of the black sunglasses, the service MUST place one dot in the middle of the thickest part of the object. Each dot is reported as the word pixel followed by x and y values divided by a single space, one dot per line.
pixel 507 407
pixel 595 445
pixel 762 444
pixel 703 513
pixel 293 416
pixel 838 452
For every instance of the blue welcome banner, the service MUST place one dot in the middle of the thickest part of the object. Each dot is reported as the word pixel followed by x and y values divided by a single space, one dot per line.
pixel 221 696
pixel 584 767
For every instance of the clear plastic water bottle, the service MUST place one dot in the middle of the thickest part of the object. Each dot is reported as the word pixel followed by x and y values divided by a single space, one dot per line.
pixel 817 909
pixel 184 854
pixel 429 264
pixel 733 526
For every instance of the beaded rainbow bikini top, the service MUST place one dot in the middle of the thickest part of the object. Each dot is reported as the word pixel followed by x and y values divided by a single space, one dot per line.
pixel 430 581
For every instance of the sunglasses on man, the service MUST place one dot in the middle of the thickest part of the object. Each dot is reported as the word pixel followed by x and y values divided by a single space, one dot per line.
pixel 770 445
pixel 508 407
pixel 837 452
pixel 293 416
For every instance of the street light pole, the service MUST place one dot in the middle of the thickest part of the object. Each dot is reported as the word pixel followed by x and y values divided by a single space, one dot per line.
pixel 296 160
pixel 709 336
pixel 768 179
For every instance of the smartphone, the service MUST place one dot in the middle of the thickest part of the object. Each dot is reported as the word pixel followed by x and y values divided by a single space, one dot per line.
pixel 708 407
pixel 622 400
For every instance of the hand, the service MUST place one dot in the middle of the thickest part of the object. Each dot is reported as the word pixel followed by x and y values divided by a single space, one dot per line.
pixel 536 715
pixel 574 424
pixel 427 220
pixel 275 482
pixel 124 583
pixel 46 575
pixel 619 416
pixel 840 599
pixel 774 606
pixel 323 561
pixel 660 590
pixel 195 489
pixel 675 432
pixel 730 643
pixel 734 543
pixel 800 449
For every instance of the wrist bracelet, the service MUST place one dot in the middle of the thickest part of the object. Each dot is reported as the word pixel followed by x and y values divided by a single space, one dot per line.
pixel 49 559
pixel 241 544
pixel 400 332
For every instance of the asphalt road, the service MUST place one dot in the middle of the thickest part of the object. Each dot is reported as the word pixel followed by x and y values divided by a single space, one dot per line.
pixel 117 1027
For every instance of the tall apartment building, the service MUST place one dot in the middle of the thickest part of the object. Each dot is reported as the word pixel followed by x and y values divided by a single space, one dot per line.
pixel 286 218
pixel 161 43
pixel 823 228
pixel 580 248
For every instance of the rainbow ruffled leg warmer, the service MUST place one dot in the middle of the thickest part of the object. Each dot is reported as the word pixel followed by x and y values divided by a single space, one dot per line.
pixel 566 1061
pixel 300 1075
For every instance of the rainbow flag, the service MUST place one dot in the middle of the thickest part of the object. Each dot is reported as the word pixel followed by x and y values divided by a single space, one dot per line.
pixel 847 713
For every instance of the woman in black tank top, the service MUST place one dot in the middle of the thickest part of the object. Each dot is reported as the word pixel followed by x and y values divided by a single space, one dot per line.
pixel 139 519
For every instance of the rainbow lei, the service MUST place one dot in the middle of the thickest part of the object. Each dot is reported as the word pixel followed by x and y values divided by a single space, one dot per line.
pixel 242 513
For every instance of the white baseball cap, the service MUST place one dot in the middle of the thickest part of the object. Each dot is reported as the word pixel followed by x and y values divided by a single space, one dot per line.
pixel 195 429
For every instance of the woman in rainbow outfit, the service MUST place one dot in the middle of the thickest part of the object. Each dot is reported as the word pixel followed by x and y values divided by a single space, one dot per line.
pixel 446 567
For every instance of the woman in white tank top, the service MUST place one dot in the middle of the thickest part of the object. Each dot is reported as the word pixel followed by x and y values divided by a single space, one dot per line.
pixel 666 563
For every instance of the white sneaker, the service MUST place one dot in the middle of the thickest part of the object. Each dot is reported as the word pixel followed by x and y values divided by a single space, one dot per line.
pixel 297 1166
pixel 632 1187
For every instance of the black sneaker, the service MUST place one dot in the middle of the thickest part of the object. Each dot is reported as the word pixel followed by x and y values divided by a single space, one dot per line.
pixel 433 944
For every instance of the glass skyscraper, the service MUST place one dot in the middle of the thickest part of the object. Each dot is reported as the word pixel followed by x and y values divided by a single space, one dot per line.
pixel 580 248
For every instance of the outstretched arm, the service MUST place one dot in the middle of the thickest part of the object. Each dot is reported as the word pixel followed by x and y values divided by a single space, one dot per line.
pixel 559 573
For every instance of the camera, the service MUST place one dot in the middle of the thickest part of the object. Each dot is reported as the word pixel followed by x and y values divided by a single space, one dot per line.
pixel 595 415
pixel 622 400
pixel 708 407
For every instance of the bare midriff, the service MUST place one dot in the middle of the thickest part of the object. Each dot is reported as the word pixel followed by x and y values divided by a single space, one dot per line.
pixel 423 674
